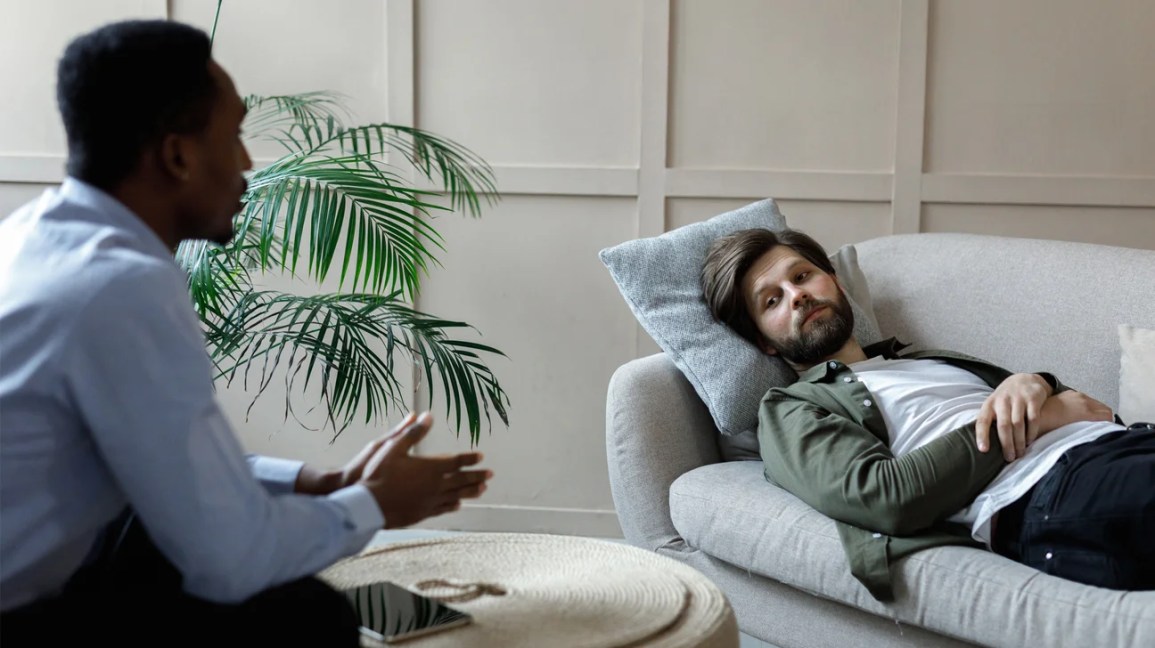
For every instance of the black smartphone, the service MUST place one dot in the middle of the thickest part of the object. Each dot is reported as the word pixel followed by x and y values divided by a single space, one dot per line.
pixel 391 613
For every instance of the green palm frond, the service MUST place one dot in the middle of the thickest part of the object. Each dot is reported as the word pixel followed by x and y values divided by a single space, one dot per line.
pixel 311 123
pixel 464 176
pixel 215 279
pixel 275 118
pixel 338 199
pixel 306 207
pixel 335 185
pixel 348 343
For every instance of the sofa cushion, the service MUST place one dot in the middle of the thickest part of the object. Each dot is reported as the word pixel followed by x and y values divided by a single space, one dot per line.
pixel 659 279
pixel 1013 301
pixel 731 512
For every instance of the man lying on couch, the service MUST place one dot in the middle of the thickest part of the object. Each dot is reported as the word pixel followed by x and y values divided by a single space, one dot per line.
pixel 899 451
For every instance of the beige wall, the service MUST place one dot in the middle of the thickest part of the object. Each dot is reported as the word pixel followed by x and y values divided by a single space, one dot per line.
pixel 612 119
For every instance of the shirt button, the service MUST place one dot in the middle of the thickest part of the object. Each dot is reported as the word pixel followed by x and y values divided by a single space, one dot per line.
pixel 1049 555
pixel 833 365
pixel 866 403
pixel 848 379
pixel 876 535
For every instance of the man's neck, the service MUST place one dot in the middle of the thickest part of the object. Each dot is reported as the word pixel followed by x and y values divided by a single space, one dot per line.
pixel 850 352
pixel 141 199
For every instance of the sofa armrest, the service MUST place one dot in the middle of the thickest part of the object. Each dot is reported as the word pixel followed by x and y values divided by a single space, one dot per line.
pixel 656 430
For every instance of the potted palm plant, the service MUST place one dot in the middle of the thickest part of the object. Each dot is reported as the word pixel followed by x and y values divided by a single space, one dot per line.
pixel 335 202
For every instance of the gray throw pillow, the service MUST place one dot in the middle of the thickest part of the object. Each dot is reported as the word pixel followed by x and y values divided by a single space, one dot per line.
pixel 659 279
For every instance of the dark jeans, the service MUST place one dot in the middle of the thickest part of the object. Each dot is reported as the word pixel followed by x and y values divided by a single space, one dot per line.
pixel 1091 518
pixel 131 595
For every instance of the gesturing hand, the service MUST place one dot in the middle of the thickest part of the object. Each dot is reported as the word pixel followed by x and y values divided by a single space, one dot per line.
pixel 1014 406
pixel 351 473
pixel 410 488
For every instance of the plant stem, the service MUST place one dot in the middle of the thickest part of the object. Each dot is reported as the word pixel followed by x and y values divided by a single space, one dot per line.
pixel 216 18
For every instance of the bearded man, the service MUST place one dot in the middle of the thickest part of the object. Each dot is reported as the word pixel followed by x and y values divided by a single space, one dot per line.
pixel 898 449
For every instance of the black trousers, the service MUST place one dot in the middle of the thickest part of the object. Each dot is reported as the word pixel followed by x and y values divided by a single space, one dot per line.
pixel 131 595
pixel 1091 518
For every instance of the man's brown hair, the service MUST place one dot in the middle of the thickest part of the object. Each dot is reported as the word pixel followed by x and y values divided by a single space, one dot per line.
pixel 730 258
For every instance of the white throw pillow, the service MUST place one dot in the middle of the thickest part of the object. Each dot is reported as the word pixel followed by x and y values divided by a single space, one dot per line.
pixel 1137 375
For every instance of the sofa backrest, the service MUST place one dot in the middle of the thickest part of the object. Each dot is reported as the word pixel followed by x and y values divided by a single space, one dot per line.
pixel 1025 304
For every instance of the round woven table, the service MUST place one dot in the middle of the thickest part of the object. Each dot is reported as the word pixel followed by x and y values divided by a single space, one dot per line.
pixel 551 591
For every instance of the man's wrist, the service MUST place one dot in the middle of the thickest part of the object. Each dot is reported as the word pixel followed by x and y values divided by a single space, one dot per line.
pixel 314 481
pixel 1051 382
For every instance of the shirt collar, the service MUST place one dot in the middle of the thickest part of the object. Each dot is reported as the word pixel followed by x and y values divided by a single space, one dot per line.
pixel 116 214
pixel 887 348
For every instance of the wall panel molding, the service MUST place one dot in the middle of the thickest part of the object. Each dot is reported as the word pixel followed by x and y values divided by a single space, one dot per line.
pixel 513 180
pixel 910 117
pixel 960 188
pixel 29 168
pixel 655 114
pixel 785 185
pixel 401 87
pixel 401 44
pixel 1007 189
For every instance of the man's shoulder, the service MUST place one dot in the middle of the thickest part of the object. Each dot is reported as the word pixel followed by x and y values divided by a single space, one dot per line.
pixel 63 265
pixel 799 395
pixel 66 236
pixel 103 268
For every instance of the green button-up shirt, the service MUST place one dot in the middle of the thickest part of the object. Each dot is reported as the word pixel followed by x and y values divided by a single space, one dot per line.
pixel 824 439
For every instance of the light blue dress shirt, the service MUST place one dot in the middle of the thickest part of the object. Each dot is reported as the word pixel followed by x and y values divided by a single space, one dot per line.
pixel 106 401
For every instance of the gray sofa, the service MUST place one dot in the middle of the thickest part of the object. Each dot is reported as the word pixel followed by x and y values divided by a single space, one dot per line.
pixel 1029 305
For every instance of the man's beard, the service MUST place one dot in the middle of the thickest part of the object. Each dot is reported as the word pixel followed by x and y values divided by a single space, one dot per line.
pixel 223 237
pixel 823 338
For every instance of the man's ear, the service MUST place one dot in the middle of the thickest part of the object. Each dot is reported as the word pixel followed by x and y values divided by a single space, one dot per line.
pixel 175 156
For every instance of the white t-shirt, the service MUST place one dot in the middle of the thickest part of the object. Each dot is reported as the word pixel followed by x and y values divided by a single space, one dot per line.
pixel 921 400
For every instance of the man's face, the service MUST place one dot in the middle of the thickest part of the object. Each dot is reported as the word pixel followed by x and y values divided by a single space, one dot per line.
pixel 799 309
pixel 211 195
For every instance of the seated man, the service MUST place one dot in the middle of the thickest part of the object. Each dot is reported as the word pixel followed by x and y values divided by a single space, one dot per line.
pixel 128 506
pixel 897 448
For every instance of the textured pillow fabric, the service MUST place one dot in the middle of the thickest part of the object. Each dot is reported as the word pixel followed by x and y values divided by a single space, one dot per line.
pixel 845 262
pixel 1137 375
pixel 659 279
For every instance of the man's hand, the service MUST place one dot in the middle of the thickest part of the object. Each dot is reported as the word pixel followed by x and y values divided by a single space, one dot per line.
pixel 1015 407
pixel 1069 407
pixel 351 473
pixel 410 488
pixel 314 481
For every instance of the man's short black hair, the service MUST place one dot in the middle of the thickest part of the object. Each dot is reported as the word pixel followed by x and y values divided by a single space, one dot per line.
pixel 124 86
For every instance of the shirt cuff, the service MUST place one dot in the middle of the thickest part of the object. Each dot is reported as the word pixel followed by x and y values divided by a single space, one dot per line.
pixel 364 516
pixel 279 476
